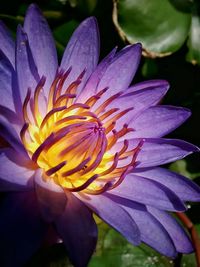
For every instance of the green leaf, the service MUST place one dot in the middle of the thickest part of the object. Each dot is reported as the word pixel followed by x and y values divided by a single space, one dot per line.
pixel 63 32
pixel 53 14
pixel 157 24
pixel 188 261
pixel 193 55
pixel 85 6
pixel 149 68
pixel 115 251
pixel 18 19
pixel 181 167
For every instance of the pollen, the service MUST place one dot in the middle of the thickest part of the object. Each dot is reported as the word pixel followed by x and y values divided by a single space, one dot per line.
pixel 75 143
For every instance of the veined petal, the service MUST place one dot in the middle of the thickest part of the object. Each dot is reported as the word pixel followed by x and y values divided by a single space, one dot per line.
pixel 51 197
pixel 78 230
pixel 14 177
pixel 156 151
pixel 184 188
pixel 7 45
pixel 27 74
pixel 120 72
pixel 176 232
pixel 42 45
pixel 110 212
pixel 158 121
pixel 139 100
pixel 152 231
pixel 82 51
pixel 12 117
pixel 148 192
pixel 6 78
pixel 148 84
pixel 93 81
pixel 21 229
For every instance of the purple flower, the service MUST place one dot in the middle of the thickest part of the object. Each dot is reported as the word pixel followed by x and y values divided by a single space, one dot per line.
pixel 76 139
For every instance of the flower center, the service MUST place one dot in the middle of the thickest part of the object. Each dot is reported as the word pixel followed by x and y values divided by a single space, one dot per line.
pixel 74 143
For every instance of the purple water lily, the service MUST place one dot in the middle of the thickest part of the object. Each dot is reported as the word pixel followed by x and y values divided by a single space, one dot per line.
pixel 78 139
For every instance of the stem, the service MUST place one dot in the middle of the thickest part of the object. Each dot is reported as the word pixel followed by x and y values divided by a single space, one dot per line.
pixel 193 232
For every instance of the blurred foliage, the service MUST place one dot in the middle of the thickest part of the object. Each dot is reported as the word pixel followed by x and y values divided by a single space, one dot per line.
pixel 157 24
pixel 112 251
pixel 169 28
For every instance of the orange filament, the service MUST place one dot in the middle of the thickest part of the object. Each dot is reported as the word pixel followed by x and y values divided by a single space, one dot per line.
pixel 72 143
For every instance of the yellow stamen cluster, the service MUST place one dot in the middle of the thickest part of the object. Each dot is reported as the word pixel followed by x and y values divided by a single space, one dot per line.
pixel 72 142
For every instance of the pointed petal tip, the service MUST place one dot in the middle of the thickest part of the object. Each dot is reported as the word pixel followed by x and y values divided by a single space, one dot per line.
pixel 194 148
pixel 33 7
pixel 136 50
pixel 137 47
pixel 165 84
pixel 91 22
pixel 189 147
pixel 187 112
pixel 21 32
pixel 187 250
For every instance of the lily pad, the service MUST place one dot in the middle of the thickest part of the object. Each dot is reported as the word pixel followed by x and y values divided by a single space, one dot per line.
pixel 193 55
pixel 159 25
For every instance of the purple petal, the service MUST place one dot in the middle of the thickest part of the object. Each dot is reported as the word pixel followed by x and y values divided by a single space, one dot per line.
pixel 7 45
pixel 184 188
pixel 148 84
pixel 11 117
pixel 156 151
pixel 158 121
pixel 148 192
pixel 25 67
pixel 152 231
pixel 21 229
pixel 42 45
pixel 14 177
pixel 78 230
pixel 176 232
pixel 51 197
pixel 82 51
pixel 138 100
pixel 93 81
pixel 143 98
pixel 10 135
pixel 120 72
pixel 161 151
pixel 6 74
pixel 110 212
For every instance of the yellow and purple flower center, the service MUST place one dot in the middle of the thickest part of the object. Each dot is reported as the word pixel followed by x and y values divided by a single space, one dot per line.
pixel 73 141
